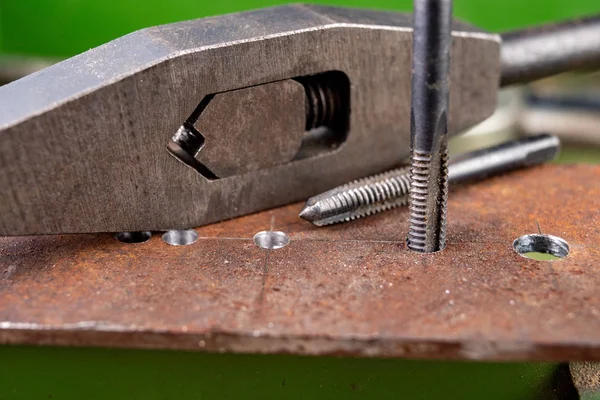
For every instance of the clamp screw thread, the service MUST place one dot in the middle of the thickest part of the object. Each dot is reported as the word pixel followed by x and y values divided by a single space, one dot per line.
pixel 323 101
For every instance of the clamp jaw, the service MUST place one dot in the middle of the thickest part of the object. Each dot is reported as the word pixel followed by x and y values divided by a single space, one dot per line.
pixel 190 123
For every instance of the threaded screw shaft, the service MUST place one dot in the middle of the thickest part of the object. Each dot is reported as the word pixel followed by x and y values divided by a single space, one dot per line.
pixel 360 198
pixel 427 210
pixel 429 124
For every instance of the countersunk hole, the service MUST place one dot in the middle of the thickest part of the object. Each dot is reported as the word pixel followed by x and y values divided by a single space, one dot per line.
pixel 541 247
pixel 133 237
pixel 180 238
pixel 271 240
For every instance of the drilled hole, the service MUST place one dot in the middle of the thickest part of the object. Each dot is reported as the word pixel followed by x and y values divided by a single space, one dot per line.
pixel 180 238
pixel 541 247
pixel 271 240
pixel 133 237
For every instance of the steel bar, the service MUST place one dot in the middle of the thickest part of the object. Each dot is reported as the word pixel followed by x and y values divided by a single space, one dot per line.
pixel 535 53
pixel 519 153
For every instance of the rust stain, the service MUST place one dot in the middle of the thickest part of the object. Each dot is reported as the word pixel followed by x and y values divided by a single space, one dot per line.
pixel 351 289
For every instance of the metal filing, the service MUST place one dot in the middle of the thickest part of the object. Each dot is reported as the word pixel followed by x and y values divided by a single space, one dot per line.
pixel 374 194
pixel 429 125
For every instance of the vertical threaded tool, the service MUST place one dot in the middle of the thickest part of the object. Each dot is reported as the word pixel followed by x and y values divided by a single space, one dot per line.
pixel 429 126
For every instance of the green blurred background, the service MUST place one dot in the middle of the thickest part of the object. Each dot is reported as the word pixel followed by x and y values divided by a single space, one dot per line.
pixel 62 28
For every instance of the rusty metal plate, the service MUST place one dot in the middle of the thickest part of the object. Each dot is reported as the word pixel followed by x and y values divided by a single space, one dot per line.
pixel 350 289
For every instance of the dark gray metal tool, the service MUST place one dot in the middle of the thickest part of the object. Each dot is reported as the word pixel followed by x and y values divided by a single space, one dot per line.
pixel 374 194
pixel 542 51
pixel 429 125
pixel 190 123
pixel 195 122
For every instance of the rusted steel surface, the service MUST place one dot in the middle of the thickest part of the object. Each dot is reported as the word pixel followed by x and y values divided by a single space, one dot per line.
pixel 351 289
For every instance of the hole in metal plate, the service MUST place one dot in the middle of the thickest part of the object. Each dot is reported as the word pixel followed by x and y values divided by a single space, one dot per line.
pixel 271 240
pixel 180 237
pixel 541 247
pixel 133 237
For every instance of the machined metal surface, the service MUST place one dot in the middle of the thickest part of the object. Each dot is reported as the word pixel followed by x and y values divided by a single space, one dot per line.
pixel 382 192
pixel 83 144
pixel 345 290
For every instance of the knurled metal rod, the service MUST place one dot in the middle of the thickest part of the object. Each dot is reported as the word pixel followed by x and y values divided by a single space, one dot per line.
pixel 429 126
